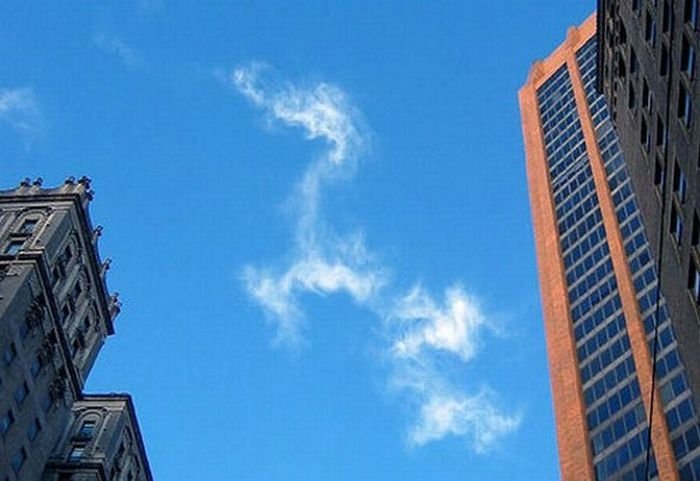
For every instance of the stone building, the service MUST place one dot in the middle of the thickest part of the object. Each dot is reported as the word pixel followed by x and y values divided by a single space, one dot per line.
pixel 55 314
pixel 102 442
pixel 648 74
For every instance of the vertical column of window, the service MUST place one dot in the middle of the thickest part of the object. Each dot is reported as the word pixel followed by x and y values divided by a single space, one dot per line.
pixel 676 397
pixel 611 390
pixel 621 441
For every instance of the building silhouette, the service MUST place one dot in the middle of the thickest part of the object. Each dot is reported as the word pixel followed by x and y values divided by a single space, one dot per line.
pixel 598 276
pixel 55 314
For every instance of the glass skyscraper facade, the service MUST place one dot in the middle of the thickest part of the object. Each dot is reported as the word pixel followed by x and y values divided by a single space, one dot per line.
pixel 599 286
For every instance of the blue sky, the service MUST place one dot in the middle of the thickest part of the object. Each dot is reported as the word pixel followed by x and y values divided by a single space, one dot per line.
pixel 319 223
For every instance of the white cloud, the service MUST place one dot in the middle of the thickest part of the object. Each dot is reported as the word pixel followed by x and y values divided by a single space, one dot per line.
pixel 427 341
pixel 453 328
pixel 324 264
pixel 277 293
pixel 322 111
pixel 425 336
pixel 20 109
pixel 473 417
pixel 112 45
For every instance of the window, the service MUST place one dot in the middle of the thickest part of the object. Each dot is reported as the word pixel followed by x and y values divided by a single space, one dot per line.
pixel 687 57
pixel 694 281
pixel 68 253
pixel 21 393
pixel 660 132
pixel 622 68
pixel 679 183
pixel 28 226
pixel 650 30
pixel 634 63
pixel 631 97
pixel 676 227
pixel 14 247
pixel 685 105
pixel 646 96
pixel 18 460
pixel 9 354
pixel 47 402
pixel 87 429
pixel 645 136
pixel 58 272
pixel 622 32
pixel 65 313
pixel 77 453
pixel 76 346
pixel 33 430
pixel 25 328
pixel 36 366
pixel 77 290
pixel 120 453
pixel 663 63
pixel 690 12
pixel 659 172
pixel 695 238
pixel 666 22
pixel 6 421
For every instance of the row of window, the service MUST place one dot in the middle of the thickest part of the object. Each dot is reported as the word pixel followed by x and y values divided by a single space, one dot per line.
pixel 615 417
pixel 613 327
pixel 686 442
pixel 622 456
pixel 585 262
pixel 596 278
pixel 615 382
pixel 586 226
pixel 605 359
pixel 627 422
pixel 593 319
pixel 567 199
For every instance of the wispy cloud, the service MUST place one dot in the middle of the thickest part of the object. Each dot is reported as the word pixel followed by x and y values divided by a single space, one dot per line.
pixel 20 110
pixel 453 327
pixel 278 292
pixel 424 336
pixel 324 263
pixel 474 417
pixel 112 45
pixel 428 339
pixel 322 111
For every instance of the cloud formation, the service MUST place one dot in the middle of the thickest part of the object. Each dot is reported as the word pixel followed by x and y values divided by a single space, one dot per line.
pixel 324 263
pixel 428 340
pixel 452 328
pixel 424 336
pixel 20 110
pixel 112 45
pixel 474 417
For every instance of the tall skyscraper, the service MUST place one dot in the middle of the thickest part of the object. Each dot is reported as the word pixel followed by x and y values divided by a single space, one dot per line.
pixel 55 314
pixel 599 281
pixel 648 75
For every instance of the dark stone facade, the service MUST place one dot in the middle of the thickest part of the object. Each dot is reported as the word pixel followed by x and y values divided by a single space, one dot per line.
pixel 647 71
